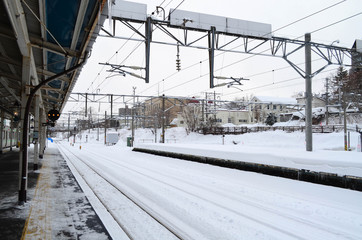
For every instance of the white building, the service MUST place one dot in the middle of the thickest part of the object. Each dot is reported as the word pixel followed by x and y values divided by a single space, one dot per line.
pixel 222 116
pixel 261 106
pixel 316 102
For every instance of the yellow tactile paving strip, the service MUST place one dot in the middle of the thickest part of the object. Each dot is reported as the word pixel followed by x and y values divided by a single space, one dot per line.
pixel 38 224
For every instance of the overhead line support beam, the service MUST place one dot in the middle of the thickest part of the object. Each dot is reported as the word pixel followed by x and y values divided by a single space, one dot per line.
pixel 148 47
pixel 211 36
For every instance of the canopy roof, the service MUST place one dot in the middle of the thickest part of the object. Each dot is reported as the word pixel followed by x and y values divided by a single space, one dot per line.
pixel 41 38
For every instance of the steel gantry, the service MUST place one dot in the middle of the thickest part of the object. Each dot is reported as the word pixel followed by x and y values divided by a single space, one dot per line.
pixel 254 38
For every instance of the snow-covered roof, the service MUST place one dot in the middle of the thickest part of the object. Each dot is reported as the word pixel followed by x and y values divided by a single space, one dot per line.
pixel 315 112
pixel 231 110
pixel 174 121
pixel 275 100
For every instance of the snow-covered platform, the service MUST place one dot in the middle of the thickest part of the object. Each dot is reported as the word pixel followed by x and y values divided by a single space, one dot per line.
pixel 56 208
pixel 343 169
pixel 13 216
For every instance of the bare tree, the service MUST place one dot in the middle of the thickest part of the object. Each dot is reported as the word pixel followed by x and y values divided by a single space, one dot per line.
pixel 191 115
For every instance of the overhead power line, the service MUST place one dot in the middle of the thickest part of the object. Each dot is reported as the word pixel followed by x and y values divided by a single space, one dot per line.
pixel 115 53
pixel 308 16
pixel 287 25
pixel 134 48
pixel 274 83
pixel 244 59
pixel 336 22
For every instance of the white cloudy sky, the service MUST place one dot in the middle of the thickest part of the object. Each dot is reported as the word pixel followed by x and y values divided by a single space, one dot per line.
pixel 194 81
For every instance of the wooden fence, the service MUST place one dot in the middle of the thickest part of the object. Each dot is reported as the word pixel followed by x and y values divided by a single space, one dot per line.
pixel 242 130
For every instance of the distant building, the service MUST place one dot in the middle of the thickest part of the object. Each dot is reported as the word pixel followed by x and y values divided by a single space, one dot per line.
pixel 124 116
pixel 316 101
pixel 235 117
pixel 153 110
pixel 222 116
pixel 262 106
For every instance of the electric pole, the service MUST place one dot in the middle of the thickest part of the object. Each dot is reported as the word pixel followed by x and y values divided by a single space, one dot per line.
pixel 308 93
pixel 105 128
pixel 132 110
pixel 163 118
pixel 327 100
pixel 68 126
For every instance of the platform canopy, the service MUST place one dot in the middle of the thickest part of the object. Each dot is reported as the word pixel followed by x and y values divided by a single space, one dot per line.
pixel 41 38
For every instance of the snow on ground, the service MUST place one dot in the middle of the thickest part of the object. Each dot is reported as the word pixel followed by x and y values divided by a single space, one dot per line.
pixel 276 148
pixel 210 202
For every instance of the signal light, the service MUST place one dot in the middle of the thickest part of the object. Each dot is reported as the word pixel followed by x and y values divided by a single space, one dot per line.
pixel 53 115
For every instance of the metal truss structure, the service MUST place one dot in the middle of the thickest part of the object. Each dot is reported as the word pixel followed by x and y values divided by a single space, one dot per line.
pixel 273 47
pixel 255 40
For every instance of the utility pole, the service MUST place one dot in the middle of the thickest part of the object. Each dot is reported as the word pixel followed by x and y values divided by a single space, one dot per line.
pixel 97 127
pixel 203 111
pixel 163 118
pixel 105 128
pixel 89 116
pixel 68 126
pixel 214 106
pixel 111 108
pixel 344 105
pixel 308 93
pixel 132 110
pixel 327 100
pixel 155 126
pixel 206 110
pixel 339 101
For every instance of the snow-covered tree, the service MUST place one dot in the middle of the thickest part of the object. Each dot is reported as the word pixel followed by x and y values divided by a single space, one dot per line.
pixel 346 89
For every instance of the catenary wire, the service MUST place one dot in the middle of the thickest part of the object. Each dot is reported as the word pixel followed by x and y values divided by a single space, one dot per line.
pixel 287 25
pixel 138 44
pixel 275 83
pixel 244 59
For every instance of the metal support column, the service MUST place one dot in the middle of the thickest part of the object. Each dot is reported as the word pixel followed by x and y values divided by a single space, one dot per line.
pixel 148 32
pixel 1 131
pixel 36 133
pixel 211 37
pixel 132 111
pixel 24 121
pixel 68 126
pixel 111 108
pixel 105 128
pixel 12 135
pixel 25 110
pixel 86 105
pixel 163 119
pixel 308 93
pixel 327 100
pixel 344 105
pixel 42 137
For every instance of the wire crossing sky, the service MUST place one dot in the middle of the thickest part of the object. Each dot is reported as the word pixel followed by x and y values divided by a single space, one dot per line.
pixel 328 21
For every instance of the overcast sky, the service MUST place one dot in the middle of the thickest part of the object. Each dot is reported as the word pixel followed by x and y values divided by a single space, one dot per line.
pixel 269 76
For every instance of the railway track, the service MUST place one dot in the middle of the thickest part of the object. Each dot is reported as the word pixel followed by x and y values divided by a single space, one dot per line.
pixel 250 212
pixel 144 225
pixel 226 199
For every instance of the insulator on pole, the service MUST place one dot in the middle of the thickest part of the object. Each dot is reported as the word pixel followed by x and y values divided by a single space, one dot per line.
pixel 178 60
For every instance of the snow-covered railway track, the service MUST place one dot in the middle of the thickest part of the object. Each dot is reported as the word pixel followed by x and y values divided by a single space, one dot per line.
pixel 134 218
pixel 204 202
pixel 256 213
